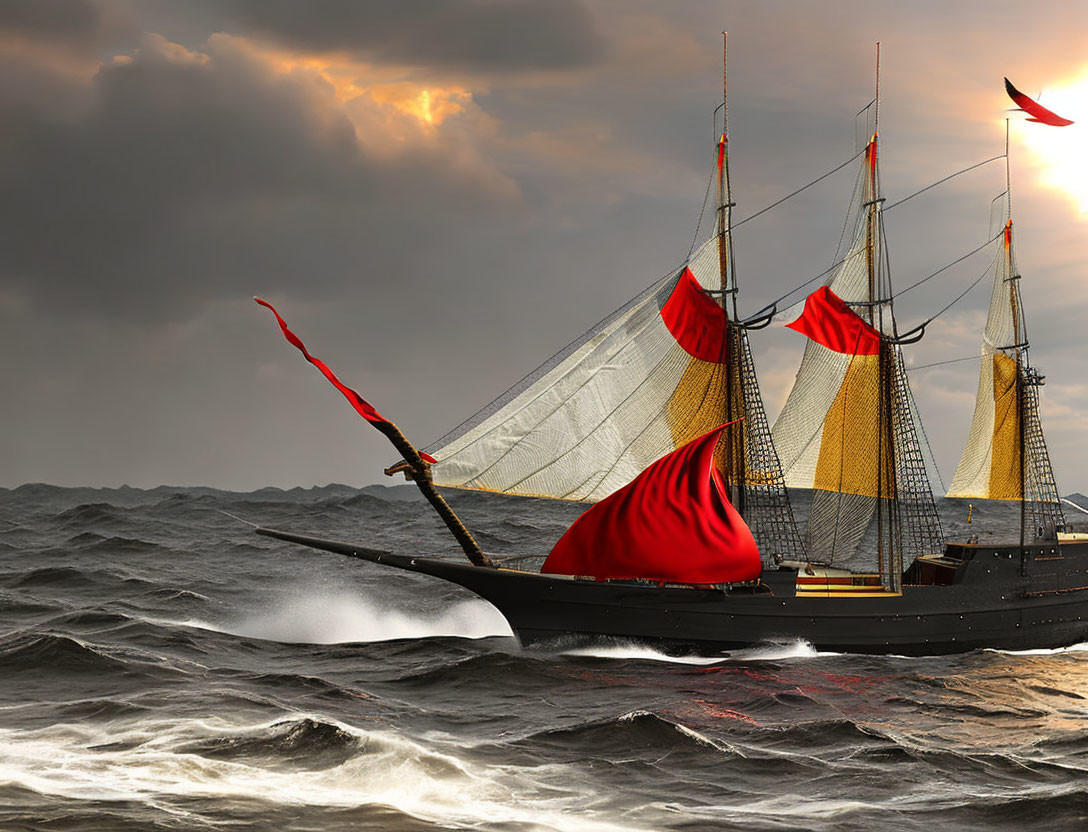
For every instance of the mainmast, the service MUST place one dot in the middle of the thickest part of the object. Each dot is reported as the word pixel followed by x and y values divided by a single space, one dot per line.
pixel 871 203
pixel 1012 281
pixel 847 430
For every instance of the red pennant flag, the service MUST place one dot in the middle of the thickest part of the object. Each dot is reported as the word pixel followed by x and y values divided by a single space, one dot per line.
pixel 673 522
pixel 361 405
pixel 1037 111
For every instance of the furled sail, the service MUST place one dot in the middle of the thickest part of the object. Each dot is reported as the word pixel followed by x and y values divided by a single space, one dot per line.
pixel 673 522
pixel 848 428
pixel 1005 457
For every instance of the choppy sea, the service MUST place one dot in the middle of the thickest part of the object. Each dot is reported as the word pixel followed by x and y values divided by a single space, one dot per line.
pixel 163 668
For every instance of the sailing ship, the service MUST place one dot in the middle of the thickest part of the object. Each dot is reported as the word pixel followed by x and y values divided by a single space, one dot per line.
pixel 655 416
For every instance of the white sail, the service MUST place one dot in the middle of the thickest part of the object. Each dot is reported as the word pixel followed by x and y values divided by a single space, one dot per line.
pixel 799 431
pixel 847 430
pixel 990 465
pixel 621 397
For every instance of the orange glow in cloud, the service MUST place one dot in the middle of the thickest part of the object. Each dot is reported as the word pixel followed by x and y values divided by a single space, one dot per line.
pixel 431 105
pixel 1058 153
pixel 349 79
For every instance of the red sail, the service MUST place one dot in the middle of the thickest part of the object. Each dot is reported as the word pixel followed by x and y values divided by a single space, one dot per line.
pixel 695 320
pixel 827 320
pixel 672 523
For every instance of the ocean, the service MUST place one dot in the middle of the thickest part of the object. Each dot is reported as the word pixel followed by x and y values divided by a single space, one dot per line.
pixel 163 668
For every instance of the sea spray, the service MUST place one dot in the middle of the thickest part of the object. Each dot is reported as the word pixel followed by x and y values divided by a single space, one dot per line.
pixel 320 617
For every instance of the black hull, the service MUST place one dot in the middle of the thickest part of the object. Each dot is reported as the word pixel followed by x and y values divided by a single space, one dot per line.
pixel 995 598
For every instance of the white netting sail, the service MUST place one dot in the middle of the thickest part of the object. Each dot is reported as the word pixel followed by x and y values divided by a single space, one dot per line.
pixel 664 369
pixel 990 465
pixel 847 429
pixel 1006 456
pixel 594 416
pixel 661 371
pixel 798 431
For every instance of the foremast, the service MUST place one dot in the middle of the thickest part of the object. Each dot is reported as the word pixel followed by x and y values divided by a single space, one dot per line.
pixel 664 369
pixel 747 457
pixel 1006 456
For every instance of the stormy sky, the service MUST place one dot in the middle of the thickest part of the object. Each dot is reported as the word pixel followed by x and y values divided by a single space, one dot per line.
pixel 439 194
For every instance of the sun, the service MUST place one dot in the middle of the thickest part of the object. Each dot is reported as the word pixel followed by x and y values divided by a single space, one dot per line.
pixel 1057 154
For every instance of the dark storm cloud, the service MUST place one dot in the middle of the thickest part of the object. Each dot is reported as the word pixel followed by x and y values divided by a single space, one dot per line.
pixel 50 19
pixel 177 178
pixel 472 34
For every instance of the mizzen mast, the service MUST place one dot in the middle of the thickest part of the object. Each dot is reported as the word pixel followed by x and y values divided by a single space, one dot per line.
pixel 1006 456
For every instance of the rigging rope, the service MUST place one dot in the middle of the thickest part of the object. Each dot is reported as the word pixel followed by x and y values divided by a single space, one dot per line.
pixel 929 448
pixel 950 265
pixel 939 363
pixel 799 190
pixel 702 211
pixel 961 295
pixel 942 181
pixel 801 286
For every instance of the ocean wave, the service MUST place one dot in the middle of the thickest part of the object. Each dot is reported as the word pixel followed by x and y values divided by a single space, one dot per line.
pixel 627 734
pixel 70 577
pixel 304 742
pixel 93 515
pixel 626 650
pixel 48 652
pixel 189 760
pixel 1043 651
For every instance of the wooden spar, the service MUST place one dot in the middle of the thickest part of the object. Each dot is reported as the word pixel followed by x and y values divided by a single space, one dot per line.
pixel 415 466
pixel 418 470
pixel 723 189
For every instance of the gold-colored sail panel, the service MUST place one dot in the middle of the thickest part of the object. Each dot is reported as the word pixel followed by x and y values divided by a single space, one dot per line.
pixel 1005 471
pixel 855 448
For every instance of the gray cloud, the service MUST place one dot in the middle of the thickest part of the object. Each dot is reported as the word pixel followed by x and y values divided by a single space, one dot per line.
pixel 177 178
pixel 70 20
pixel 464 34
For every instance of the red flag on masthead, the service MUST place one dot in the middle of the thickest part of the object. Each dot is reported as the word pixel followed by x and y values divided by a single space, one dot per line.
pixel 1033 108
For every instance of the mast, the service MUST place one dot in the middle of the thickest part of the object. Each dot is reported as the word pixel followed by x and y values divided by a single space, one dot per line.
pixel 878 294
pixel 1006 457
pixel 1020 369
pixel 848 428
pixel 733 458
pixel 726 264
pixel 882 385
pixel 665 368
